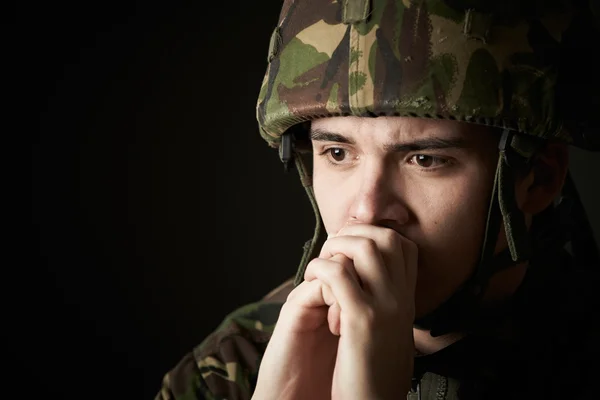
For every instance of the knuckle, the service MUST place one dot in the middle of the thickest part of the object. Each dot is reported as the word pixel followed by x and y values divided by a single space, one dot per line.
pixel 312 267
pixel 292 294
pixel 363 318
pixel 313 263
pixel 297 292
pixel 346 263
pixel 367 245
pixel 309 267
pixel 336 270
pixel 392 305
pixel 390 238
pixel 287 307
pixel 368 318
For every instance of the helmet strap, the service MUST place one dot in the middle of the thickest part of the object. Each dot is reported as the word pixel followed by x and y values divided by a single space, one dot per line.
pixel 517 234
pixel 311 247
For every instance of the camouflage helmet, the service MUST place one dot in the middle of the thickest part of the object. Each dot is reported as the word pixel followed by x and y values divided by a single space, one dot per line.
pixel 488 62
pixel 522 66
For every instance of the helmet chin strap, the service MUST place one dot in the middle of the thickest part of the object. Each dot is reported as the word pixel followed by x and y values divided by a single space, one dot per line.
pixel 456 312
pixel 313 246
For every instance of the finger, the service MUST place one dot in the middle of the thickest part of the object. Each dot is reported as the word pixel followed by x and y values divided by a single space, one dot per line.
pixel 304 310
pixel 339 259
pixel 366 259
pixel 333 314
pixel 311 294
pixel 347 293
pixel 333 319
pixel 399 253
pixel 343 260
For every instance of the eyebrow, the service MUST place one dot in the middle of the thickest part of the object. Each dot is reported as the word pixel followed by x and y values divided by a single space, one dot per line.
pixel 431 143
pixel 325 136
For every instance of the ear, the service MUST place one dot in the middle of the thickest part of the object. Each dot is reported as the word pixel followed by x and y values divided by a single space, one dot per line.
pixel 543 182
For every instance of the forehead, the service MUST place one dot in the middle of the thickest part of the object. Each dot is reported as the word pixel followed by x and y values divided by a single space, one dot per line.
pixel 400 129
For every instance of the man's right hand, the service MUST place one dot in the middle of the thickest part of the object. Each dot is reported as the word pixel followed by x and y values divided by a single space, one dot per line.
pixel 300 358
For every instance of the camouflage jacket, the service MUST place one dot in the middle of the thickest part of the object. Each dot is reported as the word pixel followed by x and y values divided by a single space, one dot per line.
pixel 553 355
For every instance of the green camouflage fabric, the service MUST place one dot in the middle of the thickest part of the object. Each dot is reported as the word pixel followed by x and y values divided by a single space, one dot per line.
pixel 225 365
pixel 486 62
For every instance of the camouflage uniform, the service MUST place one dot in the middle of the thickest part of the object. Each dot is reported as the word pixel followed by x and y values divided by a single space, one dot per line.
pixel 512 65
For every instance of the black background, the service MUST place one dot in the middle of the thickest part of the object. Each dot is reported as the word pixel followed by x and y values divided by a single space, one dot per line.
pixel 156 206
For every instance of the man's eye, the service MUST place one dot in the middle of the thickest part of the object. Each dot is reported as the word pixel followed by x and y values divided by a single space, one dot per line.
pixel 337 154
pixel 425 161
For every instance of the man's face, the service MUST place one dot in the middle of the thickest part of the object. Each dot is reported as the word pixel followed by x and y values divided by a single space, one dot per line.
pixel 428 180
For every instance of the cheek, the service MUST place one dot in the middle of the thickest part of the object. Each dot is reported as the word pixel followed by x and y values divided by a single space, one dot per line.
pixel 443 204
pixel 454 216
pixel 452 212
pixel 451 224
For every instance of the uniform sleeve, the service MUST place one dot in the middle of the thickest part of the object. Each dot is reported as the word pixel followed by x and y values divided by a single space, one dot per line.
pixel 184 382
pixel 225 365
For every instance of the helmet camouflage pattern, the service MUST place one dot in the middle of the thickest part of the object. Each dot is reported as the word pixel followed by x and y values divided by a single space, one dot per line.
pixel 495 63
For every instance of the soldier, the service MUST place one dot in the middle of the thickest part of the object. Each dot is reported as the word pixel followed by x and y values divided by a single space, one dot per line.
pixel 451 257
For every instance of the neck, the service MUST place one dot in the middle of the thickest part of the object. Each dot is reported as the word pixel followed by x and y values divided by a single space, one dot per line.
pixel 501 287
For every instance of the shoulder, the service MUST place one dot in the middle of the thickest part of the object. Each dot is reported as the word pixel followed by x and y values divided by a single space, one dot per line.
pixel 225 364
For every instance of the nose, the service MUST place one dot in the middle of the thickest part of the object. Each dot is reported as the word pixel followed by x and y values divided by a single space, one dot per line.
pixel 378 198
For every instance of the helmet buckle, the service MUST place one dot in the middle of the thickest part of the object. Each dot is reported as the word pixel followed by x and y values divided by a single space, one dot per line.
pixel 286 151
